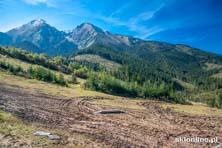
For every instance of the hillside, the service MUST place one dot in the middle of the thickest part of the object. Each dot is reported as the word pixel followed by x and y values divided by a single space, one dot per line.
pixel 177 62
pixel 38 101
pixel 114 72
pixel 70 113
pixel 98 60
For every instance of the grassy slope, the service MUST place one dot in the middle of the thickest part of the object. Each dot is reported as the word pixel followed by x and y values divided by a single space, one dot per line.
pixel 48 88
pixel 196 109
pixel 186 85
pixel 218 75
pixel 24 65
pixel 15 132
pixel 14 129
pixel 211 66
pixel 32 84
pixel 110 65
pixel 72 90
pixel 76 91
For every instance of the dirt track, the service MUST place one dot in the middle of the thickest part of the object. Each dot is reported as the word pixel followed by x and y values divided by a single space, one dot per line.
pixel 152 127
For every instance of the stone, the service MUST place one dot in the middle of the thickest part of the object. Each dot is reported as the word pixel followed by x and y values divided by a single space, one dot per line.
pixel 47 134
pixel 113 111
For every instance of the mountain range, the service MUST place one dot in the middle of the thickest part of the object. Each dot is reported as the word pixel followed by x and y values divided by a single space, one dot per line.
pixel 40 37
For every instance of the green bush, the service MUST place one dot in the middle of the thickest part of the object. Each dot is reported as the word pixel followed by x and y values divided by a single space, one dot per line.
pixel 177 97
pixel 73 79
pixel 82 72
pixel 46 75
pixel 41 73
pixel 217 101
pixel 60 79
pixel 59 60
pixel 74 66
pixel 109 84
pixel 106 83
pixel 155 90
pixel 14 69
pixel 58 63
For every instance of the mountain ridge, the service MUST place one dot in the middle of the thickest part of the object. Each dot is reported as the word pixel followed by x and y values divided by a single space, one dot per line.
pixel 45 37
pixel 81 37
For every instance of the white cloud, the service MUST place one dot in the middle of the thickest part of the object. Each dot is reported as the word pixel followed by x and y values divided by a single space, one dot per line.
pixel 133 24
pixel 49 3
pixel 149 14
pixel 120 10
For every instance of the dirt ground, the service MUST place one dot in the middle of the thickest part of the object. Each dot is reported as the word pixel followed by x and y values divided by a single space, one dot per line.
pixel 151 126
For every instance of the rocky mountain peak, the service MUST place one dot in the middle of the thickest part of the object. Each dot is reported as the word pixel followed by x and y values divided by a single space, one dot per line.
pixel 38 22
pixel 88 27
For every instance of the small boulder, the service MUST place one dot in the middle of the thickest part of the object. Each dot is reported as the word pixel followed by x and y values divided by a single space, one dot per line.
pixel 47 134
pixel 53 137
pixel 112 111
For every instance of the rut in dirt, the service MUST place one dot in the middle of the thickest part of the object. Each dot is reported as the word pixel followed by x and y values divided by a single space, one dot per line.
pixel 153 126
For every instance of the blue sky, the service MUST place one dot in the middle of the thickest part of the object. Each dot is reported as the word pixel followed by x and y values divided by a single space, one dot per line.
pixel 197 23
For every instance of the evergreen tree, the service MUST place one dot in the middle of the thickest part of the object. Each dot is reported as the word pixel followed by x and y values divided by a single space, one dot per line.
pixel 60 79
pixel 218 100
pixel 73 79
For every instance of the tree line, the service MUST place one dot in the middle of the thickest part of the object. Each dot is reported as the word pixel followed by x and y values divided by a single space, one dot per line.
pixel 106 83
pixel 34 72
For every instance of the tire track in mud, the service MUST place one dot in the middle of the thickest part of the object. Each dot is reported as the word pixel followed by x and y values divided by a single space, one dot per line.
pixel 60 112
pixel 186 125
pixel 153 127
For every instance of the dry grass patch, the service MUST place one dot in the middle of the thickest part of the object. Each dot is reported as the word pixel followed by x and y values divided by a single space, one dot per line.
pixel 14 132
pixel 185 84
pixel 194 109
pixel 47 88
pixel 109 65
pixel 218 75
pixel 121 103
pixel 25 65
pixel 212 66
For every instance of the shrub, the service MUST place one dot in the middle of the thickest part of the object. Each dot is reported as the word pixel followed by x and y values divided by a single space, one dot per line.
pixel 82 72
pixel 14 69
pixel 217 101
pixel 105 83
pixel 108 84
pixel 60 79
pixel 73 66
pixel 46 75
pixel 73 79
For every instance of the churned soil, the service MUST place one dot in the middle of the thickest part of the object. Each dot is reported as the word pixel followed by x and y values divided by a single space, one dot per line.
pixel 152 126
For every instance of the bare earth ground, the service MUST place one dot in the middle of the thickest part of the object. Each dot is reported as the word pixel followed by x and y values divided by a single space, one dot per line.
pixel 146 124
